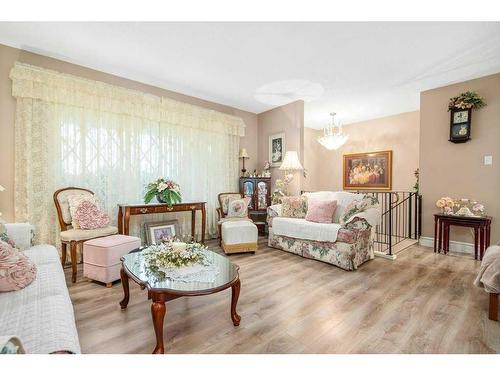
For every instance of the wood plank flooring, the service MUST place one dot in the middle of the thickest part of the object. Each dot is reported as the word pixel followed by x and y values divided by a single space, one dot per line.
pixel 420 303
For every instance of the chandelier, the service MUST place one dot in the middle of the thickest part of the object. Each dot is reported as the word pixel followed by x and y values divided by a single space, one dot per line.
pixel 333 138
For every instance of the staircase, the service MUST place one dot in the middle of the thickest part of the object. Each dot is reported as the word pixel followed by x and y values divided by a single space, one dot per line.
pixel 400 221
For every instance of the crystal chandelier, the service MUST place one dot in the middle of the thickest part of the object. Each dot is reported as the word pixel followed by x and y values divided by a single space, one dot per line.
pixel 333 139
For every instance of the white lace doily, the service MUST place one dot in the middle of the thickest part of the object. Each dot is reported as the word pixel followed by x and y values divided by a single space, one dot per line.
pixel 196 272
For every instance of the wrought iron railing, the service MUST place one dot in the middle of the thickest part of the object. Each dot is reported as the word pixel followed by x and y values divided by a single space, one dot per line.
pixel 401 218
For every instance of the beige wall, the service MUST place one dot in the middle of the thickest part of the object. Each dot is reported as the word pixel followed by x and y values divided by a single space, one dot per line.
pixel 399 133
pixel 457 170
pixel 10 55
pixel 289 119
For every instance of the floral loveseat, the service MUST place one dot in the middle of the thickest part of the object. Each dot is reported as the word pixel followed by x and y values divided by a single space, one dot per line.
pixel 347 242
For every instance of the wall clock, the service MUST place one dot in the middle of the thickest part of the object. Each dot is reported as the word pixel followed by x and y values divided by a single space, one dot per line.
pixel 460 125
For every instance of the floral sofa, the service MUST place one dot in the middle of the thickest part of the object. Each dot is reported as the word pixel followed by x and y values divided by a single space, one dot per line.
pixel 347 242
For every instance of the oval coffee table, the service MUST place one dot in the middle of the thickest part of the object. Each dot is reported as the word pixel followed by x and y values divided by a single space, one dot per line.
pixel 161 290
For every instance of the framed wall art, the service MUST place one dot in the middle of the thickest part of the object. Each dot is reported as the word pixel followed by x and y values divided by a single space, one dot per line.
pixel 368 171
pixel 276 149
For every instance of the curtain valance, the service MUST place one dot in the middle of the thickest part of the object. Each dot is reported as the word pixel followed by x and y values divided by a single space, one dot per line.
pixel 47 85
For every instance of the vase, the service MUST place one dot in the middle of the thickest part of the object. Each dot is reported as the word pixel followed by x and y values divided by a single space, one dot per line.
pixel 160 198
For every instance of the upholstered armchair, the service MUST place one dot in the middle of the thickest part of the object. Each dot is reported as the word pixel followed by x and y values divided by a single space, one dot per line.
pixel 69 235
pixel 224 199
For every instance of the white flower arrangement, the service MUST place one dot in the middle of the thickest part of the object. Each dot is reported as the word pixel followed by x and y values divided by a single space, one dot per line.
pixel 171 254
pixel 460 207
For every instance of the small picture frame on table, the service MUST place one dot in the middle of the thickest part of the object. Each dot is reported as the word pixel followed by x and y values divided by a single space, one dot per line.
pixel 159 231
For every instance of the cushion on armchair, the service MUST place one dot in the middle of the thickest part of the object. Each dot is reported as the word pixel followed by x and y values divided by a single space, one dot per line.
pixel 238 207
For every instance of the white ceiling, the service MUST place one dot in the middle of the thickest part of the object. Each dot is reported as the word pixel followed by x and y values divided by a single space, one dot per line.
pixel 367 70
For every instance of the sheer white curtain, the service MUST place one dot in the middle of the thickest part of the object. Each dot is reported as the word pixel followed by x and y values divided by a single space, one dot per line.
pixel 75 132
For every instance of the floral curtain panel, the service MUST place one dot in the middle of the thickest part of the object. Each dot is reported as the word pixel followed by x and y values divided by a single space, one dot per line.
pixel 76 132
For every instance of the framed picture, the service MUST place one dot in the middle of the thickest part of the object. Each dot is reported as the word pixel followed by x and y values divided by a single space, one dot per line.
pixel 276 149
pixel 368 171
pixel 161 230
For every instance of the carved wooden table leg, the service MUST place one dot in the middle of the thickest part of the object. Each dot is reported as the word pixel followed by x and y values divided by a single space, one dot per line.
pixel 158 310
pixel 235 293
pixel 126 292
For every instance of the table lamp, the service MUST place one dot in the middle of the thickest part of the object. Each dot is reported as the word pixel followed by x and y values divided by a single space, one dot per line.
pixel 243 156
pixel 291 164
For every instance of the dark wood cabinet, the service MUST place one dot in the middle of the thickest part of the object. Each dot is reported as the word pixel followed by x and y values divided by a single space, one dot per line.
pixel 259 190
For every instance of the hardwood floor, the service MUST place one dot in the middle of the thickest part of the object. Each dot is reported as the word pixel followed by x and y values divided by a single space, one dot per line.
pixel 420 303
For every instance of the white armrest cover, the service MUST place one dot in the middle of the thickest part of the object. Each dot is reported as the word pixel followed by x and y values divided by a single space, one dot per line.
pixel 278 208
pixel 273 211
pixel 371 215
pixel 21 234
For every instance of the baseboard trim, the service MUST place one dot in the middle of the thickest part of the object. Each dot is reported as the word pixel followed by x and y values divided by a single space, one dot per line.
pixel 457 246
pixel 381 254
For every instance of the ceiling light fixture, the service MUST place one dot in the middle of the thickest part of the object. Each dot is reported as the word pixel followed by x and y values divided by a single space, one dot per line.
pixel 333 139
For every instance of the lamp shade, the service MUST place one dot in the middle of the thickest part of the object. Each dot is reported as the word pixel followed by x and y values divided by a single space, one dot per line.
pixel 244 153
pixel 291 162
pixel 2 188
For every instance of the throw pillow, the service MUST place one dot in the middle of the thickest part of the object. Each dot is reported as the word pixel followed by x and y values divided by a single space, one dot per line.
pixel 74 200
pixel 238 207
pixel 226 200
pixel 294 207
pixel 320 211
pixel 16 269
pixel 89 216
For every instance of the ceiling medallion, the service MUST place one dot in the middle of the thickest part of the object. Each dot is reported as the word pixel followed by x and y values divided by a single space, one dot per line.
pixel 333 138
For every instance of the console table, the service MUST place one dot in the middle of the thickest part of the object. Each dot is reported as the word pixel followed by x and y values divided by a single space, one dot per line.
pixel 126 210
pixel 481 225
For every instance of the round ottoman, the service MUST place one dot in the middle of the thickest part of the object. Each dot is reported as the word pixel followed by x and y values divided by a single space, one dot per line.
pixel 239 237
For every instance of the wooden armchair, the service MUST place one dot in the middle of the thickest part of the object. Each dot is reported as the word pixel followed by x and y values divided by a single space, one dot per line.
pixel 69 235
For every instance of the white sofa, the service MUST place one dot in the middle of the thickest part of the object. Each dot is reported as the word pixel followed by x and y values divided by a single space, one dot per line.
pixel 41 314
pixel 346 246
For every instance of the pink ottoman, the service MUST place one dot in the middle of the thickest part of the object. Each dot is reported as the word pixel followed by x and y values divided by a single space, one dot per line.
pixel 101 256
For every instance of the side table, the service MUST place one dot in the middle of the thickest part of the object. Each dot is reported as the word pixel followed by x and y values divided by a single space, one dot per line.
pixel 481 226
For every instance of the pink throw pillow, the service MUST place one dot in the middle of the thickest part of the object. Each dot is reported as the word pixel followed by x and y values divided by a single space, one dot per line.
pixel 89 216
pixel 16 269
pixel 320 211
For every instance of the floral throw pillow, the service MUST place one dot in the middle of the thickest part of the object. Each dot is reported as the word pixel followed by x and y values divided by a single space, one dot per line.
pixel 89 216
pixel 16 269
pixel 238 207
pixel 74 201
pixel 294 207
pixel 356 207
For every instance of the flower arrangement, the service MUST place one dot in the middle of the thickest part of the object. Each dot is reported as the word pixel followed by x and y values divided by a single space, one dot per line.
pixel 165 191
pixel 170 254
pixel 460 207
pixel 280 189
pixel 466 100
pixel 417 177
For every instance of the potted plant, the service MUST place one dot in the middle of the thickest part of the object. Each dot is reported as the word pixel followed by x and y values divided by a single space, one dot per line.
pixel 165 191
pixel 460 108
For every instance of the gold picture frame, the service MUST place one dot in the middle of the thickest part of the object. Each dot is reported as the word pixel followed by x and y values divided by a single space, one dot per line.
pixel 367 171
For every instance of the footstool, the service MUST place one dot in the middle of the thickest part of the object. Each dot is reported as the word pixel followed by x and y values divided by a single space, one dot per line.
pixel 101 256
pixel 239 237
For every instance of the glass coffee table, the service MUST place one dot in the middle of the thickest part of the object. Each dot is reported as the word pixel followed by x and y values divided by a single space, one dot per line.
pixel 163 289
